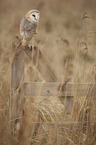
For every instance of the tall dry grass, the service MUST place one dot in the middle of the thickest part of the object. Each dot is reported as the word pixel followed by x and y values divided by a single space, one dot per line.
pixel 67 30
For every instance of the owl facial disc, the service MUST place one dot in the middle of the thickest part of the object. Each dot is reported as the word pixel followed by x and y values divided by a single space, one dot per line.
pixel 35 16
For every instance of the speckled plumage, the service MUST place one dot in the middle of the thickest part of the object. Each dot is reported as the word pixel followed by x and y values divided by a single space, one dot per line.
pixel 28 27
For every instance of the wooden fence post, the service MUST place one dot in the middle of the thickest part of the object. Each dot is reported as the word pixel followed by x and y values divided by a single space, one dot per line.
pixel 17 84
pixel 17 78
pixel 42 64
pixel 49 74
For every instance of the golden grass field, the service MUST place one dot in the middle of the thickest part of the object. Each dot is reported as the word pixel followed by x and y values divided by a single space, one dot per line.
pixel 73 59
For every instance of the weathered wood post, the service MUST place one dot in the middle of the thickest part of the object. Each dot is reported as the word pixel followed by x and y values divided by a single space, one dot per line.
pixel 49 74
pixel 17 83
pixel 42 64
pixel 17 80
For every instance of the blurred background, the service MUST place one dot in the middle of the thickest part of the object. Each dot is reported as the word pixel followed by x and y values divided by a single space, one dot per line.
pixel 66 32
pixel 67 37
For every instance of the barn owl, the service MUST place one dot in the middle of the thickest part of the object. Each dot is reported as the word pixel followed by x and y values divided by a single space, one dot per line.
pixel 28 26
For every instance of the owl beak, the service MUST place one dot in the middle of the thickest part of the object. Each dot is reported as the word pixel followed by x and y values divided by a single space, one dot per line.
pixel 36 19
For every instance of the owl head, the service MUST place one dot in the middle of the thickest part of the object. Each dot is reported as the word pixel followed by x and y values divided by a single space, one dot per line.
pixel 33 16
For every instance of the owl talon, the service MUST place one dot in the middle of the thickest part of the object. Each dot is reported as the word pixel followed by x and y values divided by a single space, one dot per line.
pixel 30 47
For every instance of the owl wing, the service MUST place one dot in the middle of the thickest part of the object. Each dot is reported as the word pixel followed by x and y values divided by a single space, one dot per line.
pixel 28 26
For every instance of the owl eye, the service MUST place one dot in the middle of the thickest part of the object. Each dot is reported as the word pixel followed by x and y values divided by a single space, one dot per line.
pixel 33 16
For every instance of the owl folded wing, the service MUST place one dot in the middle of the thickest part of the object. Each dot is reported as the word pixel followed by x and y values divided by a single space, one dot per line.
pixel 28 26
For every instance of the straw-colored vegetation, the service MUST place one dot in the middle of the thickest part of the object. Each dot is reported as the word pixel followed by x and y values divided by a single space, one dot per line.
pixel 67 37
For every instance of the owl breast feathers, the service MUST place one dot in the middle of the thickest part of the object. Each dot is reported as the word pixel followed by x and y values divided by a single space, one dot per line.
pixel 28 26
